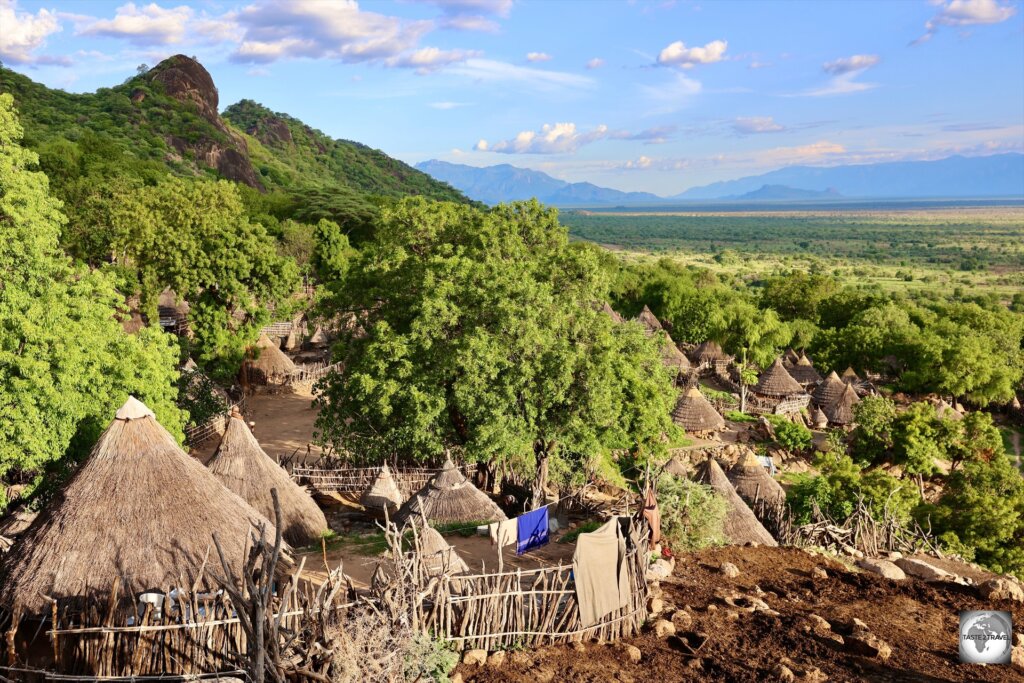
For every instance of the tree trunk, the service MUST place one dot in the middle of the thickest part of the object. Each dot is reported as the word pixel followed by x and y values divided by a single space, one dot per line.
pixel 542 451
pixel 743 396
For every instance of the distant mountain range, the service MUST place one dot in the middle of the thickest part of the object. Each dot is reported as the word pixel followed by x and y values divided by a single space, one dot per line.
pixel 505 183
pixel 999 175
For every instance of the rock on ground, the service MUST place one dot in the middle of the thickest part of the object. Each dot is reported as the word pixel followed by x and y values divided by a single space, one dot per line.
pixel 923 570
pixel 1002 588
pixel 883 568
pixel 730 570
pixel 477 657
pixel 663 628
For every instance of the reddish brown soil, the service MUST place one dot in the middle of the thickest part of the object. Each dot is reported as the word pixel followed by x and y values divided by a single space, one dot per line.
pixel 918 620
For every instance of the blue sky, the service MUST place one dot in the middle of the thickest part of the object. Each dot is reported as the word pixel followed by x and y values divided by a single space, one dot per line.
pixel 653 96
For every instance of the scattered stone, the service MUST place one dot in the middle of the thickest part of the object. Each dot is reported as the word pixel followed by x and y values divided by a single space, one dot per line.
pixel 657 606
pixel 1018 639
pixel 695 664
pixel 814 675
pixel 682 620
pixel 730 570
pixel 633 652
pixel 663 628
pixel 522 658
pixel 578 646
pixel 882 568
pixel 496 660
pixel 731 615
pixel 893 556
pixel 659 569
pixel 784 673
pixel 1017 657
pixel 711 608
pixel 863 642
pixel 922 569
pixel 455 678
pixel 1002 588
pixel 819 625
pixel 477 657
pixel 819 573
pixel 857 624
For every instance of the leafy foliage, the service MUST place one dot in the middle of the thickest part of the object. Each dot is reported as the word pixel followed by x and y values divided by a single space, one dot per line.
pixel 793 436
pixel 692 514
pixel 65 363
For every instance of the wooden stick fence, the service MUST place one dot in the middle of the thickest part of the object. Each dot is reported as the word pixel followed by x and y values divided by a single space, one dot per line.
pixel 212 427
pixel 357 479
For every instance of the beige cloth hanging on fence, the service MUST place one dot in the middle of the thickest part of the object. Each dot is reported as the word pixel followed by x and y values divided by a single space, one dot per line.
pixel 503 533
pixel 598 565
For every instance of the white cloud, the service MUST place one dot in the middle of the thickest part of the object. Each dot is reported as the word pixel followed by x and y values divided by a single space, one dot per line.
pixel 966 13
pixel 845 65
pixel 314 29
pixel 760 65
pixel 538 57
pixel 677 54
pixel 470 22
pixel 488 70
pixel 844 71
pixel 473 15
pixel 444 106
pixel 143 25
pixel 565 138
pixel 22 33
pixel 427 59
pixel 750 125
pixel 595 63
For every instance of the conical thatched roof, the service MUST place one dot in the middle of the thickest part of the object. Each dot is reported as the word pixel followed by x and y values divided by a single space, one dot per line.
pixel 245 468
pixel 610 312
pixel 829 390
pixel 448 498
pixel 694 413
pixel 849 375
pixel 819 420
pixel 709 351
pixel 437 554
pixel 803 371
pixel 840 411
pixel 383 493
pixel 1015 403
pixel 752 481
pixel 790 357
pixel 138 510
pixel 777 382
pixel 319 337
pixel 272 362
pixel 741 525
pixel 944 411
pixel 649 321
pixel 672 357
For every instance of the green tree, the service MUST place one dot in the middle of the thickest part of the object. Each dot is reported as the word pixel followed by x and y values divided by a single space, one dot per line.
pixel 481 333
pixel 751 333
pixel 65 363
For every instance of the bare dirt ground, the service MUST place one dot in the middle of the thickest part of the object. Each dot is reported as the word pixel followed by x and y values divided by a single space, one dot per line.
pixel 918 620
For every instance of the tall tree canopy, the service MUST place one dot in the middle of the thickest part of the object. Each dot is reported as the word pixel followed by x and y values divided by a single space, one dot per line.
pixel 482 332
pixel 65 362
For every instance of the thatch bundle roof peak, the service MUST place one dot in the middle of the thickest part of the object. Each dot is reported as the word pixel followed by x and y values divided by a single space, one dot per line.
pixel 133 409
pixel 803 371
pixel 850 375
pixel 753 482
pixel 649 321
pixel 777 382
pixel 741 525
pixel 829 389
pixel 272 361
pixel 840 411
pixel 694 413
pixel 449 498
pixel 139 510
pixel 242 465
pixel 709 351
pixel 383 493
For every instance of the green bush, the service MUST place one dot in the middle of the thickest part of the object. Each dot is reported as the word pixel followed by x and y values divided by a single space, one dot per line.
pixel 692 515
pixel 791 435
pixel 737 416
pixel 427 659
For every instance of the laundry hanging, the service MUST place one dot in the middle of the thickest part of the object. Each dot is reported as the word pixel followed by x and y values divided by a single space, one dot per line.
pixel 532 530
pixel 598 566
pixel 503 533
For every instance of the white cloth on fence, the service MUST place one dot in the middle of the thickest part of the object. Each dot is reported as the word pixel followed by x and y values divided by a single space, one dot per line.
pixel 503 533
pixel 598 565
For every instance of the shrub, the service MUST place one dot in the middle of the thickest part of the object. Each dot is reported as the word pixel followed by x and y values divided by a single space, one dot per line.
pixel 692 515
pixel 791 435
pixel 737 416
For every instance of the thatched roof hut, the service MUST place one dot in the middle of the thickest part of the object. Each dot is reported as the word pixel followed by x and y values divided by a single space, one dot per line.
pixel 819 420
pixel 829 390
pixel 741 525
pixel 709 351
pixel 437 554
pixel 840 411
pixel 803 372
pixel 271 361
pixel 672 357
pixel 849 375
pixel 610 312
pixel 383 493
pixel 752 481
pixel 139 510
pixel 790 357
pixel 245 468
pixel 448 498
pixel 694 413
pixel 944 411
pixel 776 382
pixel 649 321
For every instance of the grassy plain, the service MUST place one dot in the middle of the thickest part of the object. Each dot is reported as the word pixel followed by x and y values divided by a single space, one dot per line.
pixel 896 249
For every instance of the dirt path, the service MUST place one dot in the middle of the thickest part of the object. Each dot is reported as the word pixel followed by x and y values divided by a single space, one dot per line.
pixel 918 620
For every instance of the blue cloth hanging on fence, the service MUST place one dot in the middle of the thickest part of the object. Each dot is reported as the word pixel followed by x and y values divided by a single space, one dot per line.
pixel 532 530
